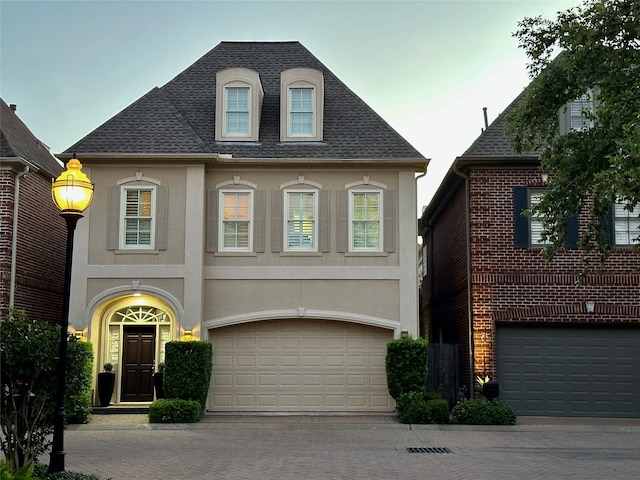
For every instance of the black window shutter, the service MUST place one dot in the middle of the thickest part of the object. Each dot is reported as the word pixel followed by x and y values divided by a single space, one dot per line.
pixel 520 221
pixel 571 232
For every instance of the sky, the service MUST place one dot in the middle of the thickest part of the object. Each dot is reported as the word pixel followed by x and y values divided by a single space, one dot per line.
pixel 427 67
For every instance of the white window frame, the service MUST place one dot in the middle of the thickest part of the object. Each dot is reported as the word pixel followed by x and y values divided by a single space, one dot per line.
pixel 352 220
pixel 314 246
pixel 535 223
pixel 290 113
pixel 124 217
pixel 221 220
pixel 625 230
pixel 227 111
pixel 577 118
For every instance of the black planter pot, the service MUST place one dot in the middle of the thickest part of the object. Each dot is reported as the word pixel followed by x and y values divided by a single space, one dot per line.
pixel 158 383
pixel 106 382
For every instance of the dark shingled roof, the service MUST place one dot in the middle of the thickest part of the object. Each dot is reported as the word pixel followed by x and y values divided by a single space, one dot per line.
pixel 493 142
pixel 17 141
pixel 180 116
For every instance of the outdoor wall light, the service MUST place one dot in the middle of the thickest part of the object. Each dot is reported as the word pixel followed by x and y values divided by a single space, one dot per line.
pixel 590 305
pixel 545 178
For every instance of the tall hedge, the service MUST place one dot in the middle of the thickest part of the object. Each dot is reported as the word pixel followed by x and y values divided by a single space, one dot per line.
pixel 188 370
pixel 77 402
pixel 406 365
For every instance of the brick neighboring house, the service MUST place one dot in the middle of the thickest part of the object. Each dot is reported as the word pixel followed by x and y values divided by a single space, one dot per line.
pixel 555 348
pixel 256 202
pixel 32 234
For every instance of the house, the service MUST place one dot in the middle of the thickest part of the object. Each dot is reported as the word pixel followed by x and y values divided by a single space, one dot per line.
pixel 555 348
pixel 256 202
pixel 32 234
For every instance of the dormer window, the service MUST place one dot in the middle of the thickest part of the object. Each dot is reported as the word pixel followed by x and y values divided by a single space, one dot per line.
pixel 301 105
pixel 577 115
pixel 239 97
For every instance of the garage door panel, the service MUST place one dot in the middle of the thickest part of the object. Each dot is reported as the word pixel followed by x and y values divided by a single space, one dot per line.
pixel 577 371
pixel 307 365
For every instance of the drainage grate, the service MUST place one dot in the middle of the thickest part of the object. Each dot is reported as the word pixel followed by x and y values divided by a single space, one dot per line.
pixel 428 450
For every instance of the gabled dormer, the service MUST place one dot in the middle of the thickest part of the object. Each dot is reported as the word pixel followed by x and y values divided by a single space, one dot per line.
pixel 239 97
pixel 301 105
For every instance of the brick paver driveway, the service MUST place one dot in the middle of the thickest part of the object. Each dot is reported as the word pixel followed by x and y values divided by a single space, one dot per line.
pixel 350 448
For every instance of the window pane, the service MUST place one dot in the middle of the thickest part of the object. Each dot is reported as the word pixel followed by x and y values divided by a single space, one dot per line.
pixel 625 224
pixel 235 225
pixel 237 110
pixel 365 211
pixel 138 217
pixel 301 111
pixel 300 220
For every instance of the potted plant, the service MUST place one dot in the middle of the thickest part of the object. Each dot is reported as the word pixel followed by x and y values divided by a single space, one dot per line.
pixel 106 382
pixel 158 381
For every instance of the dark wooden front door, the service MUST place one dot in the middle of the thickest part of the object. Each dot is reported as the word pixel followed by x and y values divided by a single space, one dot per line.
pixel 138 357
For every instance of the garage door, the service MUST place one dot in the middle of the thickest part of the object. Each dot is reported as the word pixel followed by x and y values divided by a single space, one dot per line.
pixel 570 371
pixel 299 365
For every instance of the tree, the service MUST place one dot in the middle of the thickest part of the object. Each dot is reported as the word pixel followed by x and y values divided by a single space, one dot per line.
pixel 598 55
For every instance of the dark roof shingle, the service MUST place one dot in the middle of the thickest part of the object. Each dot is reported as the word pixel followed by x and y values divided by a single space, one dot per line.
pixel 179 117
pixel 17 141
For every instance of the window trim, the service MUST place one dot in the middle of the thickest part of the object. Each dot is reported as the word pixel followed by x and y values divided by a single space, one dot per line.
pixel 301 78
pixel 123 217
pixel 531 193
pixel 225 116
pixel 285 243
pixel 221 195
pixel 238 78
pixel 380 193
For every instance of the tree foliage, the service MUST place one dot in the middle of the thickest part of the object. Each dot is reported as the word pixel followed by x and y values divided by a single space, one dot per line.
pixel 594 47
pixel 29 352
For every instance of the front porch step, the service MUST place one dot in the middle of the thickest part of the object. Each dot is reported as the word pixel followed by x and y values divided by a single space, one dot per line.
pixel 120 410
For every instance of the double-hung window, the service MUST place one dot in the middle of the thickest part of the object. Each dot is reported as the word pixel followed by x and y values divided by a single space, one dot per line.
pixel 366 226
pixel 139 217
pixel 301 226
pixel 626 224
pixel 237 111
pixel 301 114
pixel 581 111
pixel 528 228
pixel 236 214
pixel 535 222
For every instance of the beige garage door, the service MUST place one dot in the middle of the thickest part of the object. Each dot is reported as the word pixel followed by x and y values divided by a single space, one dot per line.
pixel 299 365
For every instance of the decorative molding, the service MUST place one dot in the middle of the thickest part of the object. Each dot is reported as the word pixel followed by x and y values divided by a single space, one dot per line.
pixel 236 181
pixel 366 180
pixel 139 178
pixel 301 180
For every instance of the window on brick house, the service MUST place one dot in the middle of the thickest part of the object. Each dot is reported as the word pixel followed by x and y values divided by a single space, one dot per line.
pixel 528 229
pixel 625 224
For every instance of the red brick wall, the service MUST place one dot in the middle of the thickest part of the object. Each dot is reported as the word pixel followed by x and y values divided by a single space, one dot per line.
pixel 517 285
pixel 512 284
pixel 445 289
pixel 40 253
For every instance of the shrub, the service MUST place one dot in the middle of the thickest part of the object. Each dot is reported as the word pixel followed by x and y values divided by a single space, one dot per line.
pixel 77 404
pixel 174 410
pixel 41 472
pixel 406 366
pixel 415 407
pixel 432 396
pixel 438 411
pixel 484 412
pixel 187 370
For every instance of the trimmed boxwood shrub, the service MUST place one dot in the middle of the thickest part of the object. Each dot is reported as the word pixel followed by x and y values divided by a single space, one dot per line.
pixel 415 407
pixel 77 403
pixel 484 412
pixel 174 410
pixel 406 366
pixel 187 370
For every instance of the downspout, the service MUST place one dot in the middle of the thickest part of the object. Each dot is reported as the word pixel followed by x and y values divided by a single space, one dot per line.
pixel 469 293
pixel 14 239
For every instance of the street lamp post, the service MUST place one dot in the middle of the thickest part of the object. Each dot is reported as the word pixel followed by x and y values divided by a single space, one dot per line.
pixel 72 193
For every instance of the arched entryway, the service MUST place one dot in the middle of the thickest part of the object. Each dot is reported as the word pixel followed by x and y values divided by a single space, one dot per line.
pixel 133 331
